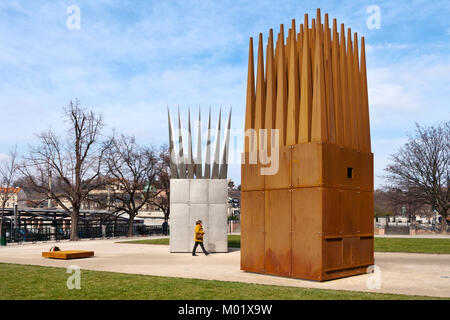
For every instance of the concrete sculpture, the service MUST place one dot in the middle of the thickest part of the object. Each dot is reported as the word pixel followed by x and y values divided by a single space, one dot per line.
pixel 313 219
pixel 198 191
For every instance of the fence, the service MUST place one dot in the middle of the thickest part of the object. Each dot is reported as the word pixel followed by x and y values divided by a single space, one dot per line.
pixel 407 229
pixel 49 233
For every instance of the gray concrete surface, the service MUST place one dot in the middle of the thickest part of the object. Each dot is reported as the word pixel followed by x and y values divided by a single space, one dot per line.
pixel 198 199
pixel 401 273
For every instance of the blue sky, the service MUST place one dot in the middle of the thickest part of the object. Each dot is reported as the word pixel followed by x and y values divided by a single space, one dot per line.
pixel 130 59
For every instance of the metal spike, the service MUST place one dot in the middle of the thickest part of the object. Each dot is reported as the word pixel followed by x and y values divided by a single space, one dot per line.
pixel 207 174
pixel 198 162
pixel 182 162
pixel 226 148
pixel 173 164
pixel 215 168
pixel 190 159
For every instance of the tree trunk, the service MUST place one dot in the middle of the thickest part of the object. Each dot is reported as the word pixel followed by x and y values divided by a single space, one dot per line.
pixel 1 226
pixel 130 225
pixel 1 222
pixel 74 225
pixel 444 222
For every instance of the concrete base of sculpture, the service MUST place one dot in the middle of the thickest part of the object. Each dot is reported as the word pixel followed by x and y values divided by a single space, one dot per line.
pixel 198 199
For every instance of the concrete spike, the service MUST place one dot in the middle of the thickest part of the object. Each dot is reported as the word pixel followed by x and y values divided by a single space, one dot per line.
pixel 172 151
pixel 225 149
pixel 181 161
pixel 207 174
pixel 215 167
pixel 190 157
pixel 198 160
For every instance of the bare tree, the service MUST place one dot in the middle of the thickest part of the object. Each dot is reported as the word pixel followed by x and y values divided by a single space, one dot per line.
pixel 134 170
pixel 421 168
pixel 8 172
pixel 162 200
pixel 75 161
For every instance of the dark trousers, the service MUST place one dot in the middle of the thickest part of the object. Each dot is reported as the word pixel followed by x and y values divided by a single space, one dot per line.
pixel 201 245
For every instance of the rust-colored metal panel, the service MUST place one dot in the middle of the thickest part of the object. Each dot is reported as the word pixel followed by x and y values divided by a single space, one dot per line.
pixel 332 165
pixel 306 233
pixel 356 259
pixel 365 170
pixel 252 231
pixel 366 212
pixel 345 202
pixel 307 165
pixel 282 179
pixel 346 252
pixel 278 232
pixel 332 212
pixel 366 250
pixel 350 162
pixel 336 162
pixel 333 253
pixel 251 174
pixel 330 275
pixel 356 203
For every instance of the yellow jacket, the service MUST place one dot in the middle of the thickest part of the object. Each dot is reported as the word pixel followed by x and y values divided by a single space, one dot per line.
pixel 199 233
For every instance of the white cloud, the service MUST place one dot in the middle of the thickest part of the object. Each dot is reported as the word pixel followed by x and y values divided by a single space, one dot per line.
pixel 386 46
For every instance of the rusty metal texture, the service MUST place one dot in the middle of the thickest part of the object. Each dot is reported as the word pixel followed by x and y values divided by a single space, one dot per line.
pixel 251 175
pixel 313 219
pixel 278 253
pixel 282 179
pixel 306 233
pixel 252 231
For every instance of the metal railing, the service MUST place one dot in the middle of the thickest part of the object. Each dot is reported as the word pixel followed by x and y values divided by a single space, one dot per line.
pixel 49 233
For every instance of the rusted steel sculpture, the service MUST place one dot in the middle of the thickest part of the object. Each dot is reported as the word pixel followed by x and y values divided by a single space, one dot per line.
pixel 313 218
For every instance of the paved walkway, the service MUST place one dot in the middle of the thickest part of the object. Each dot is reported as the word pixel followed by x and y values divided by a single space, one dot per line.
pixel 402 273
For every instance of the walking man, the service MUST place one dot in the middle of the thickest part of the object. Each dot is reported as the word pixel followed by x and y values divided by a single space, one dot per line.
pixel 199 237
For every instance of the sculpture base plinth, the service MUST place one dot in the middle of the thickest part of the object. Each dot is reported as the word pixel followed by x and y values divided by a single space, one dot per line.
pixel 198 199
pixel 312 220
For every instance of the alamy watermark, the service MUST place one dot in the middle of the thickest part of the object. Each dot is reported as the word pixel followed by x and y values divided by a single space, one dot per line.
pixel 374 280
pixel 74 19
pixel 374 19
pixel 73 281
pixel 260 150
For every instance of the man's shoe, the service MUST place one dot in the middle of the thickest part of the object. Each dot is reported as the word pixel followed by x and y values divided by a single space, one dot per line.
pixel 206 253
pixel 194 254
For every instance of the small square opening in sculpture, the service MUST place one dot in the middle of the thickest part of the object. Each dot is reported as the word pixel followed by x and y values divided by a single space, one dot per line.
pixel 349 173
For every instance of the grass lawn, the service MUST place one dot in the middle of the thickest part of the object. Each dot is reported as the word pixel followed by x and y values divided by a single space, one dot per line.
pixel 36 282
pixel 413 245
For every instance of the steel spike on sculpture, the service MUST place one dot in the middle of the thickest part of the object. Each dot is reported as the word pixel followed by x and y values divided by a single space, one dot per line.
pixel 195 195
pixel 312 218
